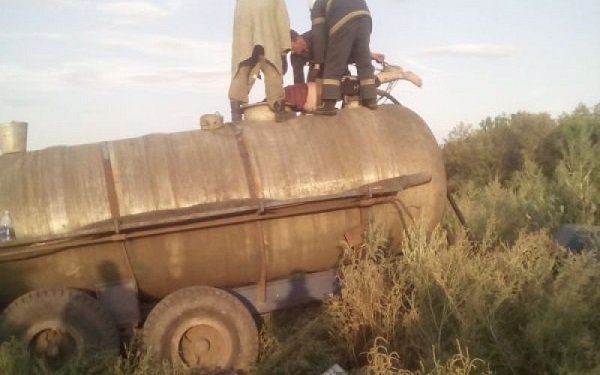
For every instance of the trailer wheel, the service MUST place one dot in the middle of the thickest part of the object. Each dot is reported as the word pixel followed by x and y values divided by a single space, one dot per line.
pixel 202 328
pixel 59 324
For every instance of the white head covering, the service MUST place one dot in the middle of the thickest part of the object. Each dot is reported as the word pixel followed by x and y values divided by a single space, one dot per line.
pixel 311 3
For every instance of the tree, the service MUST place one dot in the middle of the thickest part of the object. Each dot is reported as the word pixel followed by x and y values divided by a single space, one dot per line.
pixel 497 148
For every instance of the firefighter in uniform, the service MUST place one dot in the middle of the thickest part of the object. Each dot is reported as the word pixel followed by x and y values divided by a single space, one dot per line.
pixel 261 40
pixel 301 55
pixel 341 33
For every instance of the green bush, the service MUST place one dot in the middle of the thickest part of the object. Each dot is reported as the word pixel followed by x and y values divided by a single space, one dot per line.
pixel 530 308
pixel 556 181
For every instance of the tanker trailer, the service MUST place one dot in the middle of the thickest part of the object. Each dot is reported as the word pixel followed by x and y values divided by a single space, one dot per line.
pixel 205 228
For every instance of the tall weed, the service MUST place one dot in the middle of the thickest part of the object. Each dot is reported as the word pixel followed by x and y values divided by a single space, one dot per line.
pixel 578 178
pixel 527 308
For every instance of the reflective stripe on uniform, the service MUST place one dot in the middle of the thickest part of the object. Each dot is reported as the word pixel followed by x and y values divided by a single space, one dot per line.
pixel 369 81
pixel 347 18
pixel 332 82
pixel 318 21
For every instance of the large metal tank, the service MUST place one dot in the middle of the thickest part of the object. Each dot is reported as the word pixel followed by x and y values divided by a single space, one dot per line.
pixel 191 208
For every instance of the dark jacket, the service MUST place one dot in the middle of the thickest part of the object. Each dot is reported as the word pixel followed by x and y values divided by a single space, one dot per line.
pixel 299 61
pixel 328 16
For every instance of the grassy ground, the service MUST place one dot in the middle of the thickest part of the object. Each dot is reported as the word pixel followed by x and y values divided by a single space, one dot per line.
pixel 431 308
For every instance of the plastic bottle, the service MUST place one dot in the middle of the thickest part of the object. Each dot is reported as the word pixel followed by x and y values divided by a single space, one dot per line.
pixel 7 230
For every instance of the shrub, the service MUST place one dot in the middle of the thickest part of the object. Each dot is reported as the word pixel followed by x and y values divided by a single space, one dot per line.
pixel 529 308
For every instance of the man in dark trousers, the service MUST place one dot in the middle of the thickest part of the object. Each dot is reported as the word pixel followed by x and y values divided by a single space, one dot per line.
pixel 301 56
pixel 341 33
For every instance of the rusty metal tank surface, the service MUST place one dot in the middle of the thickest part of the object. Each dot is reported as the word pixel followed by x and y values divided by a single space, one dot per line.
pixel 181 209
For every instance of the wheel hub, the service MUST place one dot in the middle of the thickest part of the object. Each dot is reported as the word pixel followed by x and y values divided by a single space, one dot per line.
pixel 54 345
pixel 206 345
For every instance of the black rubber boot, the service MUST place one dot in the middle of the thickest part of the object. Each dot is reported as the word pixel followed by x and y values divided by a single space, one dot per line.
pixel 236 111
pixel 279 110
pixel 370 103
pixel 327 108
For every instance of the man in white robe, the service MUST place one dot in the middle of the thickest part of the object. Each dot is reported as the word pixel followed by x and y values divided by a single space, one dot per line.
pixel 261 39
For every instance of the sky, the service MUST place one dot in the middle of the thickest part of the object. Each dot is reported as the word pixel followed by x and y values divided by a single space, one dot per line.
pixel 86 71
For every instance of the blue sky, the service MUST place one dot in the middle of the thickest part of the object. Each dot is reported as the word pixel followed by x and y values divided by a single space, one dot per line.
pixel 82 71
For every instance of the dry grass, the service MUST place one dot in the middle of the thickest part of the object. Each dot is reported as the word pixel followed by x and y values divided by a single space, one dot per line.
pixel 15 360
pixel 431 307
pixel 297 342
pixel 529 308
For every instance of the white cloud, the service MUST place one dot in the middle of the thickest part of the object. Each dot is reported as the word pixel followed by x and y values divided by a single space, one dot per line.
pixel 189 77
pixel 120 7
pixel 109 74
pixel 408 63
pixel 106 75
pixel 32 35
pixel 17 76
pixel 202 53
pixel 165 45
pixel 484 50
pixel 73 4
pixel 133 12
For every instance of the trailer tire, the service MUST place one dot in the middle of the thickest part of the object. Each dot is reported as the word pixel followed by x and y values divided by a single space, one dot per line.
pixel 60 324
pixel 202 328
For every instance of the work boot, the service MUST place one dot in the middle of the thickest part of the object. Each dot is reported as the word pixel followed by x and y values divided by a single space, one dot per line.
pixel 236 111
pixel 279 110
pixel 327 108
pixel 369 103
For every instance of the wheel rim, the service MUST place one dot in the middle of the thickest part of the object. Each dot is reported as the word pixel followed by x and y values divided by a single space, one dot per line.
pixel 203 343
pixel 54 342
